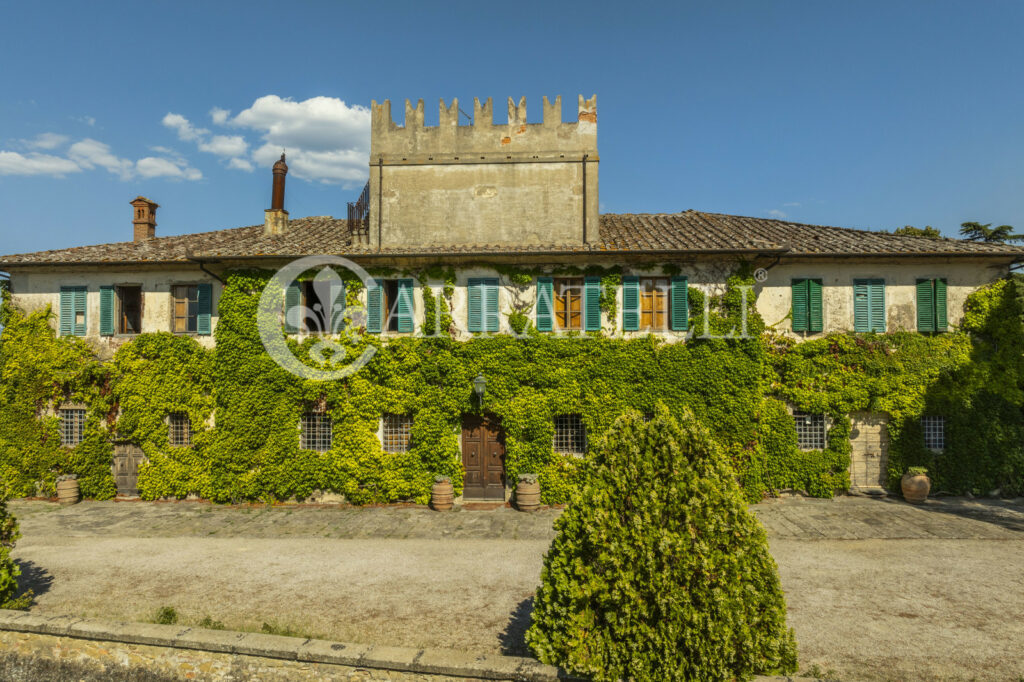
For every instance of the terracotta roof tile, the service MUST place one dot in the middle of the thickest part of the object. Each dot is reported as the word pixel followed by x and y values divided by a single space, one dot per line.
pixel 687 232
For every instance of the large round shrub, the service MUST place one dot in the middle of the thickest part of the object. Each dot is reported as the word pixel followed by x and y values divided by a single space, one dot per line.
pixel 9 570
pixel 659 571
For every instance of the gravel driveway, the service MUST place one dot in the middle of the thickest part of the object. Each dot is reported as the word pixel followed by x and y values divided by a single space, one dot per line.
pixel 876 589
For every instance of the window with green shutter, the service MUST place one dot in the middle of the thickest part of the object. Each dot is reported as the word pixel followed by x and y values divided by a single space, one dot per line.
pixel 630 303
pixel 72 311
pixel 869 305
pixel 807 314
pixel 204 308
pixel 107 310
pixel 403 308
pixel 375 307
pixel 679 313
pixel 592 304
pixel 545 304
pixel 483 304
pixel 931 305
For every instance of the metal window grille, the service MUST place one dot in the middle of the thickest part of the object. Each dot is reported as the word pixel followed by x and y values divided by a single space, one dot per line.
pixel 179 429
pixel 397 428
pixel 72 425
pixel 570 434
pixel 316 432
pixel 934 432
pixel 810 430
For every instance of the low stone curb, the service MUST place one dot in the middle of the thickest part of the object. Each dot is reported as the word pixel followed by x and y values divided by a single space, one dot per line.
pixel 401 659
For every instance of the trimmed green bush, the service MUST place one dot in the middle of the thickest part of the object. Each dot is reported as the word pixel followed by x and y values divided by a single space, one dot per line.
pixel 9 570
pixel 659 571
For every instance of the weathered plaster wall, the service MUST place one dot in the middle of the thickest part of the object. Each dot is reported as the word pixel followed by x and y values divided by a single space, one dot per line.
pixel 515 183
pixel 37 287
pixel 775 296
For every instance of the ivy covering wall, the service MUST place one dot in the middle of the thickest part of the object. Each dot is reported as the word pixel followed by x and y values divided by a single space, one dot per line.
pixel 245 410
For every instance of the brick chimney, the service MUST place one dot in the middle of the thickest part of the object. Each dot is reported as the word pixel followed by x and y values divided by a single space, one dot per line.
pixel 275 218
pixel 144 218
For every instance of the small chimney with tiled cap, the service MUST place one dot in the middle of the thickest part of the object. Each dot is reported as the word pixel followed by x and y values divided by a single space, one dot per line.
pixel 144 218
pixel 275 219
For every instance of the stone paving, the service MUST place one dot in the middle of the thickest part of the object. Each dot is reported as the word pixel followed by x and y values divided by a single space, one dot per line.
pixel 842 518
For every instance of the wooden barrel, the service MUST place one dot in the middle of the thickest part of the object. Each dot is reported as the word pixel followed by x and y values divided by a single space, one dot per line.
pixel 442 496
pixel 67 492
pixel 528 496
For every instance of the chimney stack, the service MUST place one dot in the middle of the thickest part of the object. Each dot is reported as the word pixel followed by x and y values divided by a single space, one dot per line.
pixel 275 220
pixel 144 218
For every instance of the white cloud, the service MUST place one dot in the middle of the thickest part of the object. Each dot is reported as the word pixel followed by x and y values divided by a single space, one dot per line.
pixel 89 153
pixel 181 125
pixel 326 140
pixel 776 213
pixel 154 167
pixel 13 163
pixel 47 141
pixel 240 164
pixel 225 145
pixel 219 116
pixel 795 204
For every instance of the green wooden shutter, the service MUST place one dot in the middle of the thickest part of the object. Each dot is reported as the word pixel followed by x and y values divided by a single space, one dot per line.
pixel 405 305
pixel 204 308
pixel 107 310
pixel 475 304
pixel 877 295
pixel 336 316
pixel 491 305
pixel 799 289
pixel 941 323
pixel 292 301
pixel 374 307
pixel 80 293
pixel 545 304
pixel 861 323
pixel 925 305
pixel 592 304
pixel 67 311
pixel 630 303
pixel 815 320
pixel 679 305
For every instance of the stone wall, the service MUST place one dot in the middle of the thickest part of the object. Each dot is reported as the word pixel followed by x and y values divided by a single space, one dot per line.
pixel 514 183
pixel 188 653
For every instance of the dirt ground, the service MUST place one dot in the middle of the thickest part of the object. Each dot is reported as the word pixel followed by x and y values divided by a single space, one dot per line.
pixel 911 593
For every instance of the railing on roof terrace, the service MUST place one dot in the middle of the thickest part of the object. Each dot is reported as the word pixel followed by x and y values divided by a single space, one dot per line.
pixel 359 215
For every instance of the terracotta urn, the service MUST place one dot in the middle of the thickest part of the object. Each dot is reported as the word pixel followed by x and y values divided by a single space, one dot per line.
pixel 915 487
pixel 528 493
pixel 442 494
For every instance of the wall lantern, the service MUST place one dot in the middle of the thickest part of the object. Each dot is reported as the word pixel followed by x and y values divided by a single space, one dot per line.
pixel 479 386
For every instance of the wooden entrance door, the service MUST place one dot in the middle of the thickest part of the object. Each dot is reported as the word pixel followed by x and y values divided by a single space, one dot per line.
pixel 127 457
pixel 483 457
pixel 869 450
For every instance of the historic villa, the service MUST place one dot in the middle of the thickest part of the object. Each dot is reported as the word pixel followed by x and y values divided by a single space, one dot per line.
pixel 472 231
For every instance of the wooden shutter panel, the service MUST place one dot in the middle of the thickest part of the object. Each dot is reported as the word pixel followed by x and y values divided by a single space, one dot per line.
pixel 491 305
pixel 877 296
pixel 374 307
pixel 630 303
pixel 67 311
pixel 79 329
pixel 475 304
pixel 405 305
pixel 799 289
pixel 337 311
pixel 925 305
pixel 292 301
pixel 814 314
pixel 204 308
pixel 592 304
pixel 680 305
pixel 941 323
pixel 107 310
pixel 860 306
pixel 545 303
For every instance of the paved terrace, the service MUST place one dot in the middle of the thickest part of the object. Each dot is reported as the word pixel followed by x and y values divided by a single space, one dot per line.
pixel 876 589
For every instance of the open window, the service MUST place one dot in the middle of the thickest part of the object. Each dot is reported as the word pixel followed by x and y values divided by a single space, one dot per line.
pixel 129 309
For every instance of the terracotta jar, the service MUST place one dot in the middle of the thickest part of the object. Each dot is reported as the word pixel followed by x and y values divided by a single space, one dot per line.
pixel 67 491
pixel 528 493
pixel 442 494
pixel 915 487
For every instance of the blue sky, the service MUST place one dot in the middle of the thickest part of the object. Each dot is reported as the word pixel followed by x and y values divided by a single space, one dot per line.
pixel 866 114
